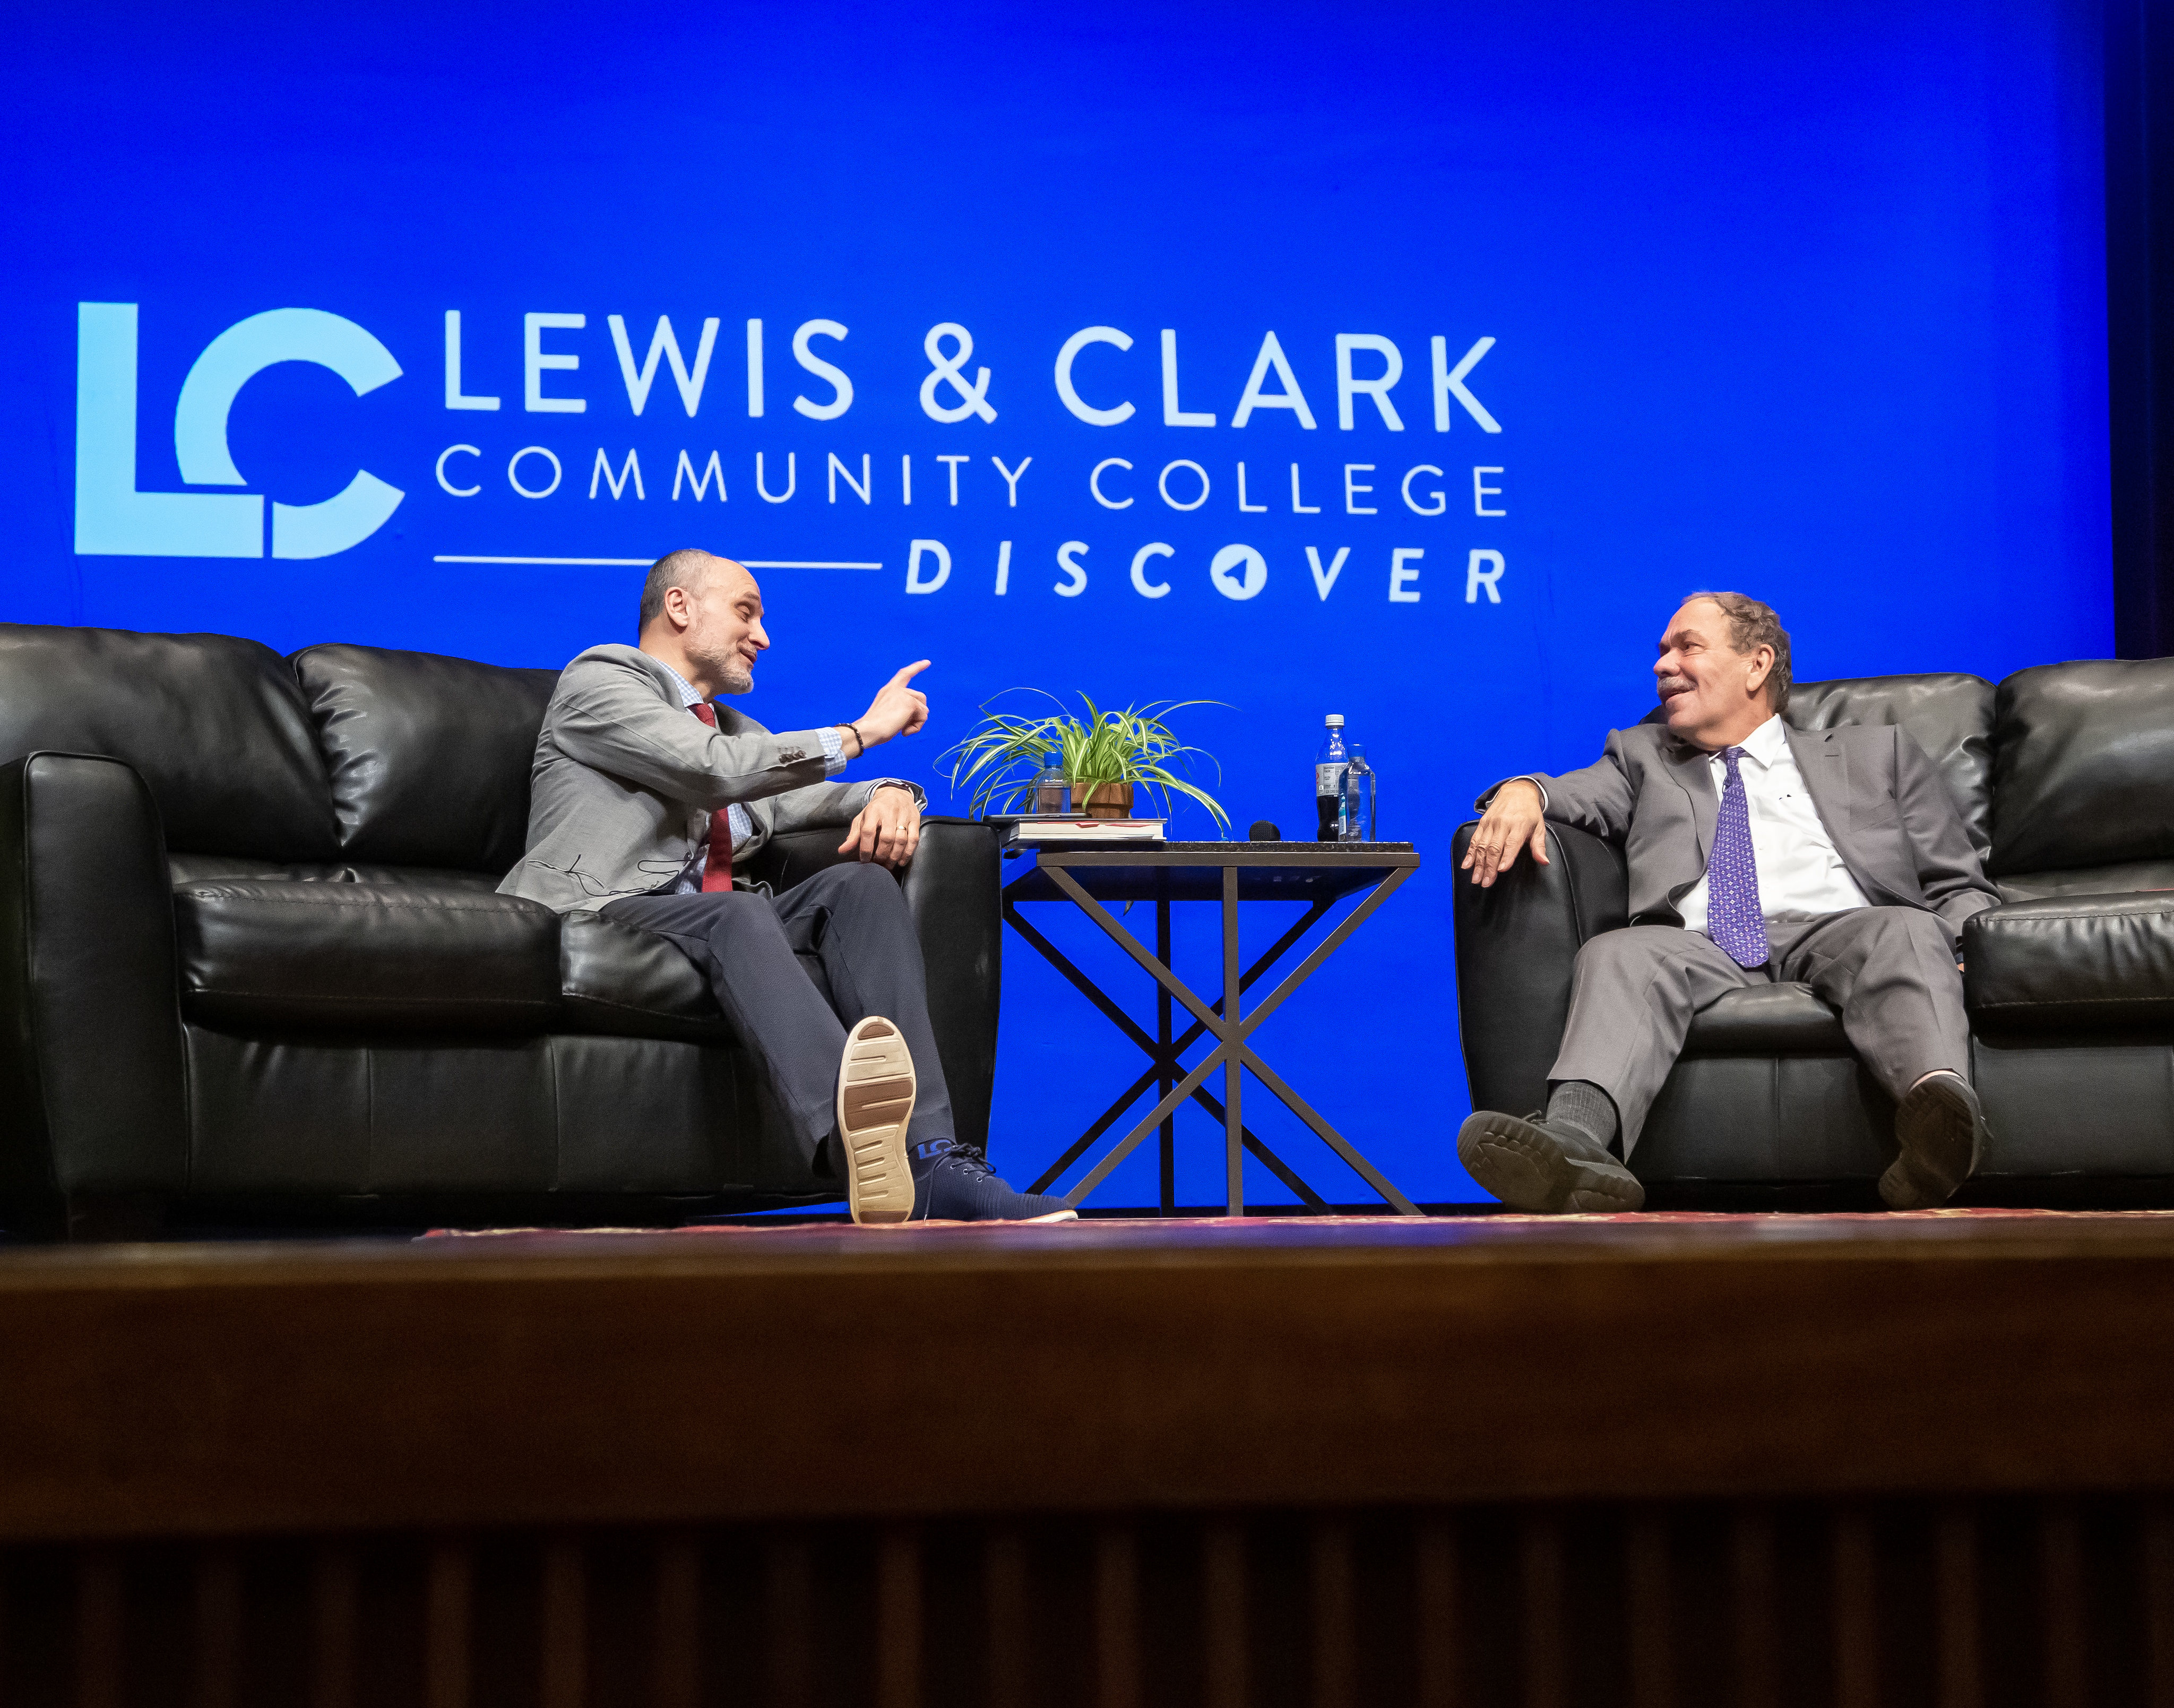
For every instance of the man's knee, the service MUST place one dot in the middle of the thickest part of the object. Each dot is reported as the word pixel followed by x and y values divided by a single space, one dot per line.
pixel 1912 925
pixel 867 875
pixel 736 910
pixel 855 882
pixel 856 890
pixel 1631 947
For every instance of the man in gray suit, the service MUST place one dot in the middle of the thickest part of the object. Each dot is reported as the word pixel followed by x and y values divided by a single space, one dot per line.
pixel 1757 852
pixel 645 795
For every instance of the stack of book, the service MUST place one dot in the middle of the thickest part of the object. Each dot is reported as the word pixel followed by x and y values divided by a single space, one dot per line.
pixel 1041 833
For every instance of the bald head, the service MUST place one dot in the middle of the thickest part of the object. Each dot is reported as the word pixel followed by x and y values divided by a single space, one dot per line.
pixel 685 568
pixel 702 616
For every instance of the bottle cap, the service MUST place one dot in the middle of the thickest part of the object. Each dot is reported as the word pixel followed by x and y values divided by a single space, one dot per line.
pixel 1336 720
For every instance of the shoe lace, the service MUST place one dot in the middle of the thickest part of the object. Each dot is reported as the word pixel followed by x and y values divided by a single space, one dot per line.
pixel 968 1158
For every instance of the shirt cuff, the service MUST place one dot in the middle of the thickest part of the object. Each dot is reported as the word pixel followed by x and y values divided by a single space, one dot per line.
pixel 834 749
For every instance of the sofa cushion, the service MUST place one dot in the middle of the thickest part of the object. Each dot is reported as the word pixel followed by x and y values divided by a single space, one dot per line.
pixel 214 725
pixel 1948 715
pixel 193 869
pixel 2082 756
pixel 2071 960
pixel 1767 1020
pixel 618 979
pixel 614 978
pixel 279 955
pixel 2126 878
pixel 428 757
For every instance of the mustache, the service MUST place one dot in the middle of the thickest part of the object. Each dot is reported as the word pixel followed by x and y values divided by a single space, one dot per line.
pixel 1664 685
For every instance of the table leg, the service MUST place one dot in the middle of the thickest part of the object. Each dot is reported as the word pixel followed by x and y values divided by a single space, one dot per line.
pixel 1230 1030
pixel 1165 1077
pixel 1234 1129
pixel 1328 1135
pixel 1165 1060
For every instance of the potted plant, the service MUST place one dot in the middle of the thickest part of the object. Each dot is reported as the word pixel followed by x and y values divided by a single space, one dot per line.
pixel 1106 756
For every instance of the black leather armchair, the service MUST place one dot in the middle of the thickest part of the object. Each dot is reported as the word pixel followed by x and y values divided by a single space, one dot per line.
pixel 2062 775
pixel 253 963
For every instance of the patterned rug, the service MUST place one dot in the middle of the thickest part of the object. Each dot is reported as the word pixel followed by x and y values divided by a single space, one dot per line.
pixel 781 1228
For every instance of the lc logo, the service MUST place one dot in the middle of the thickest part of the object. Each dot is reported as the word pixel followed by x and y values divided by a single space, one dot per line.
pixel 113 518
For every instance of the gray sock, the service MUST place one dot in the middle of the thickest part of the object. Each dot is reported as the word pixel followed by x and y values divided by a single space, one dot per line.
pixel 1581 1104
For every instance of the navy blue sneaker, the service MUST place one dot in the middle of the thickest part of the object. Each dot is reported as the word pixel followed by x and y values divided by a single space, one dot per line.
pixel 952 1183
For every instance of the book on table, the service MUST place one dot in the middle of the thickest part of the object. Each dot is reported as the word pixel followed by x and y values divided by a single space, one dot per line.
pixel 1030 833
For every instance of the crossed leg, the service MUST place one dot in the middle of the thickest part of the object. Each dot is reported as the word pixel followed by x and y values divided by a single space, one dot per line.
pixel 855 919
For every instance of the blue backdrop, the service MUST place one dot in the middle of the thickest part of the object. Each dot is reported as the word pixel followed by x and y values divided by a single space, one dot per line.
pixel 1482 332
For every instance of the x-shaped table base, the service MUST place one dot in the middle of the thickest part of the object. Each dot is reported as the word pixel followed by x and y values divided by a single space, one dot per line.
pixel 1231 1031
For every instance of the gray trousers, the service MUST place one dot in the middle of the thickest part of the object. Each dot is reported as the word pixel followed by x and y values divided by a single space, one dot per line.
pixel 1891 971
pixel 854 919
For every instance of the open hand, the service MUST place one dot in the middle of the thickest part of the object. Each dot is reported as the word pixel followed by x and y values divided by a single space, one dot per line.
pixel 1514 821
pixel 887 830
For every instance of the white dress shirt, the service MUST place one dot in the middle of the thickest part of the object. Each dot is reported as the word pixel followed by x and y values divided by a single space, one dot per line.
pixel 742 827
pixel 1800 873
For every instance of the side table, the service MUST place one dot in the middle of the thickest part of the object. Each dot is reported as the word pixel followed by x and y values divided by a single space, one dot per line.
pixel 1318 874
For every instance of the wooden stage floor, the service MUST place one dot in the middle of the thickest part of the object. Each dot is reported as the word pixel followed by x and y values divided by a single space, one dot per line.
pixel 1759 1459
pixel 740 1374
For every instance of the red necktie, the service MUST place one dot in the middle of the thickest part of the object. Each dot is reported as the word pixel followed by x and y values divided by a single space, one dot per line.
pixel 717 871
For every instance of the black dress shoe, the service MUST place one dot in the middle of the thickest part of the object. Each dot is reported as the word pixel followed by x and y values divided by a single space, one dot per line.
pixel 1942 1132
pixel 1530 1165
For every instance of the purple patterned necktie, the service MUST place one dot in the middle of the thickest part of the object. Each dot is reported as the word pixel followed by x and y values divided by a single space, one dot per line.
pixel 1732 918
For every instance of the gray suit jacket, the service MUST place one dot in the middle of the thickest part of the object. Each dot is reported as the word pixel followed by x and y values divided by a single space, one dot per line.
pixel 1892 820
pixel 626 778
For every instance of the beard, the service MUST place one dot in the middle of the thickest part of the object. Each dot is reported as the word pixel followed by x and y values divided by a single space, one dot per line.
pixel 724 665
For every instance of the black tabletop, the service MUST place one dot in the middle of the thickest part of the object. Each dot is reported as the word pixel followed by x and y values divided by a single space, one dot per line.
pixel 1193 870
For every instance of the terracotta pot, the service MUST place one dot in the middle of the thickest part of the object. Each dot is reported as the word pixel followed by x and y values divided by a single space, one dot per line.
pixel 1102 800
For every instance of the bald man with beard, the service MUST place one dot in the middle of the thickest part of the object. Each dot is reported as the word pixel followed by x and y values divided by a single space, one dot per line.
pixel 645 797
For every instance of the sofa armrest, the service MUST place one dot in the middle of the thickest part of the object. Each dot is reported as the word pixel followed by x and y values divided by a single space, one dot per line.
pixel 91 1086
pixel 2067 962
pixel 952 889
pixel 1516 945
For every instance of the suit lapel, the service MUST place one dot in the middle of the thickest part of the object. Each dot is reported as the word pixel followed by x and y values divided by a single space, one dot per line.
pixel 1824 763
pixel 1687 765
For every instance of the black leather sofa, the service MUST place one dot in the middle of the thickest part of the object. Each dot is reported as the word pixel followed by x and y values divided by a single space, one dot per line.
pixel 2064 775
pixel 253 965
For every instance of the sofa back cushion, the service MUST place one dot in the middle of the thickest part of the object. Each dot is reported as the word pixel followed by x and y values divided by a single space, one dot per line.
pixel 428 756
pixel 2083 766
pixel 214 723
pixel 1948 713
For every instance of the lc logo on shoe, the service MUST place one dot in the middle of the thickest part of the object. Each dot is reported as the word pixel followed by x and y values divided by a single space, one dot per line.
pixel 113 518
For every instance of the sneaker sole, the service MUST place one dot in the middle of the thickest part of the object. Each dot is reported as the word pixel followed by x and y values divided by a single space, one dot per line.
pixel 1050 1219
pixel 1942 1142
pixel 1515 1162
pixel 876 1089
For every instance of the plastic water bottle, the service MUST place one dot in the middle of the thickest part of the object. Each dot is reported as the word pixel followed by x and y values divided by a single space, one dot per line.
pixel 1051 788
pixel 1328 782
pixel 1357 820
